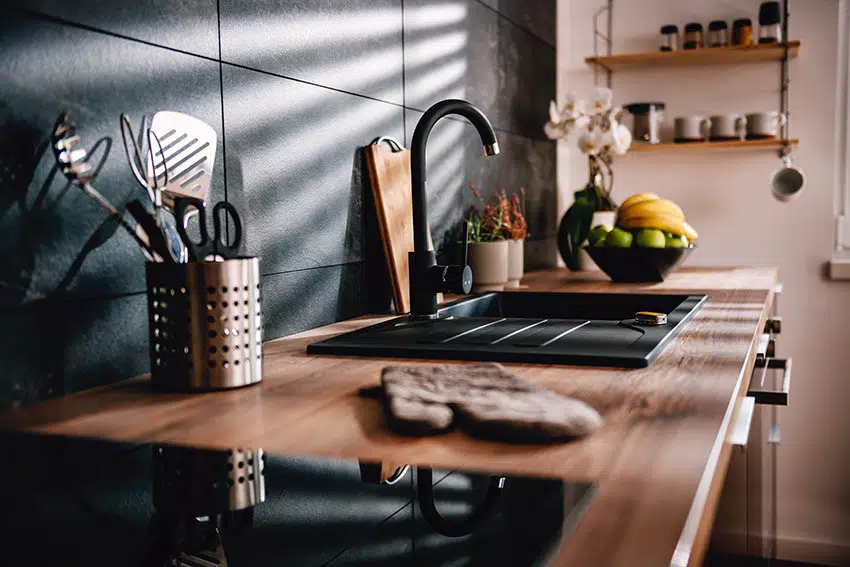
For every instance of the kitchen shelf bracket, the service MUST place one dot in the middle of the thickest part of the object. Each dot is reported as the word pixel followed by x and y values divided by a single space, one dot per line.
pixel 608 11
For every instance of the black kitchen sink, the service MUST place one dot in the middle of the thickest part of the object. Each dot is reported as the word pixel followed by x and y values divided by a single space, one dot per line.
pixel 589 329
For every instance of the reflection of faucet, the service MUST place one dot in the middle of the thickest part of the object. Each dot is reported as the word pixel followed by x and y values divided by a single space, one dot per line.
pixel 427 279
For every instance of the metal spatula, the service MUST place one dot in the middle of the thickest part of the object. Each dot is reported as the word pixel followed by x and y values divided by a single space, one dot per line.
pixel 185 162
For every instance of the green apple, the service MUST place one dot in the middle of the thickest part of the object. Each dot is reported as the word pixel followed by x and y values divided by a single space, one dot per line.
pixel 651 238
pixel 674 241
pixel 597 234
pixel 619 238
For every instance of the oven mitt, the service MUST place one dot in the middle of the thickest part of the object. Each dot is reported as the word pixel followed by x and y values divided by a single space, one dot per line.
pixel 485 401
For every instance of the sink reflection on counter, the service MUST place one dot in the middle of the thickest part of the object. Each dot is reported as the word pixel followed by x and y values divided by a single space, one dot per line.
pixel 96 503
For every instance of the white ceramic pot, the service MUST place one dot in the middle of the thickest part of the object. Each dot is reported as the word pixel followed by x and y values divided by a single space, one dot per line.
pixel 516 262
pixel 489 263
pixel 599 217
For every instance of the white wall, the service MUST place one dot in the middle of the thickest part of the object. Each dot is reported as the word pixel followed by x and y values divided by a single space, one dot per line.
pixel 726 197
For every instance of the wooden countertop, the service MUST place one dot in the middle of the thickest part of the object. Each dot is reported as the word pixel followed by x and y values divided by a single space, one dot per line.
pixel 659 459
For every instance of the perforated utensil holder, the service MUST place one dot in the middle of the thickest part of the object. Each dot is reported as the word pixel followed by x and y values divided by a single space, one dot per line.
pixel 205 324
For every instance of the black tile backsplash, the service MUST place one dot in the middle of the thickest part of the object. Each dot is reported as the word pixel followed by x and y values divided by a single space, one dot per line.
pixel 294 89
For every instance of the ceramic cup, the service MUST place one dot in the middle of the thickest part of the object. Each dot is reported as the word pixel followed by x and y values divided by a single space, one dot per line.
pixel 765 124
pixel 691 128
pixel 728 127
pixel 787 182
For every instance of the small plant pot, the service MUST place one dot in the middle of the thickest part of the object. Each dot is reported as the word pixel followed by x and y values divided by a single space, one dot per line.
pixel 489 263
pixel 516 262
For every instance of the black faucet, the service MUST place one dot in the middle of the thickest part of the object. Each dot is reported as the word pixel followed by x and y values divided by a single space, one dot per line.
pixel 427 279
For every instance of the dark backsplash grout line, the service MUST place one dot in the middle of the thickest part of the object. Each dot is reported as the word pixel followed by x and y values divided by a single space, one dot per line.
pixel 403 81
pixel 517 24
pixel 67 300
pixel 221 95
pixel 296 270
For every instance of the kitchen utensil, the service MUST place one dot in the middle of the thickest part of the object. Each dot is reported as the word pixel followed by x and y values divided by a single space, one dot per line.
pixel 638 264
pixel 137 160
pixel 764 124
pixel 669 38
pixel 770 22
pixel 728 127
pixel 185 162
pixel 693 36
pixel 389 175
pixel 205 324
pixel 71 160
pixel 718 34
pixel 210 245
pixel 788 181
pixel 157 240
pixel 691 128
pixel 742 32
pixel 647 120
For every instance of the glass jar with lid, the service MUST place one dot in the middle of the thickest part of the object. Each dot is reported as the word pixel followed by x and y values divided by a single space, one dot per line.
pixel 770 23
pixel 718 34
pixel 742 32
pixel 693 36
pixel 669 40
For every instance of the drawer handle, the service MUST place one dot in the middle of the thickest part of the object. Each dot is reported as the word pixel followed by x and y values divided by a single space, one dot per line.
pixel 773 326
pixel 774 397
pixel 761 349
pixel 743 423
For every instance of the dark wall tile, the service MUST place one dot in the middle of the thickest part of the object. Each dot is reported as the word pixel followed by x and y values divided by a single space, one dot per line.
pixel 188 25
pixel 295 166
pixel 538 17
pixel 451 51
pixel 306 299
pixel 353 46
pixel 531 164
pixel 527 80
pixel 454 159
pixel 61 238
pixel 56 347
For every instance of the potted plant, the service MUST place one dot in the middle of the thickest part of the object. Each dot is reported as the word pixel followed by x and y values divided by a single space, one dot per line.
pixel 515 229
pixel 601 136
pixel 488 248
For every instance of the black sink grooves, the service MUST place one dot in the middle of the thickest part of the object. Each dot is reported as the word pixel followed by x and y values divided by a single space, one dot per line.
pixel 589 329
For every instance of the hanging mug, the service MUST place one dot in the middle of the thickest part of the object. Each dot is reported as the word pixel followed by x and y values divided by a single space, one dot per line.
pixel 788 181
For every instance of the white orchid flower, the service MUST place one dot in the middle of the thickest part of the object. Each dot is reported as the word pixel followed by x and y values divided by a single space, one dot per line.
pixel 572 106
pixel 622 139
pixel 589 142
pixel 601 100
pixel 555 130
pixel 554 114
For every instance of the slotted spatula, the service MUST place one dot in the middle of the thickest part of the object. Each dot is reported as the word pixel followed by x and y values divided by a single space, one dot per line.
pixel 185 163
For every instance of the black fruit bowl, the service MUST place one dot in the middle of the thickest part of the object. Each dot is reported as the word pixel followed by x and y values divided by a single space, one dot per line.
pixel 637 264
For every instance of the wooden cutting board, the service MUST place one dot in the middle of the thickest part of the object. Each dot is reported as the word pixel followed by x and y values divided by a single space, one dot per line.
pixel 389 175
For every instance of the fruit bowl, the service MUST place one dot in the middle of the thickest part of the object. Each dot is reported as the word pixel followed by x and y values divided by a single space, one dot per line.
pixel 638 264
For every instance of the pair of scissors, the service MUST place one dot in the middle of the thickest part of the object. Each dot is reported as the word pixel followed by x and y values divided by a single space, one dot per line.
pixel 213 245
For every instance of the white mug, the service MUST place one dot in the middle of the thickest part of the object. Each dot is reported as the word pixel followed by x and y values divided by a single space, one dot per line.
pixel 691 128
pixel 728 127
pixel 787 181
pixel 765 124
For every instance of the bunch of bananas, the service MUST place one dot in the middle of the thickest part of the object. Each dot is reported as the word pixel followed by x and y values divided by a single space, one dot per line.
pixel 648 210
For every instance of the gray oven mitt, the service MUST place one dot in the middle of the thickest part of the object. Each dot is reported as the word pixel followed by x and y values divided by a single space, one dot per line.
pixel 485 400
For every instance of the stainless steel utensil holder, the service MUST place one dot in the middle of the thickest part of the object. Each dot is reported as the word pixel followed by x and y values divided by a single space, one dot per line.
pixel 205 324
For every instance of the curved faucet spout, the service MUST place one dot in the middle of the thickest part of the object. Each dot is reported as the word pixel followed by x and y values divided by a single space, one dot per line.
pixel 422 293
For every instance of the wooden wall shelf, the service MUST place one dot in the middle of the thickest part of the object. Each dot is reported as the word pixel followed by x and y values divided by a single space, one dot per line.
pixel 697 57
pixel 769 144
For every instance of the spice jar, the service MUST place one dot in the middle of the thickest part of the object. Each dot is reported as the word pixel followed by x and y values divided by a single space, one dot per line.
pixel 742 32
pixel 770 19
pixel 693 36
pixel 669 38
pixel 718 34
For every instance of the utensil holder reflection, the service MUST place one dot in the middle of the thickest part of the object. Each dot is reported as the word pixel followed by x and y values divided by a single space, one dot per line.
pixel 205 324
